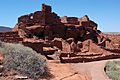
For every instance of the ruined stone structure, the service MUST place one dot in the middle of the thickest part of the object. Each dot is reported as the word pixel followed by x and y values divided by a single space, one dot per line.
pixel 44 17
pixel 43 23
pixel 70 20
pixel 47 23
pixel 45 32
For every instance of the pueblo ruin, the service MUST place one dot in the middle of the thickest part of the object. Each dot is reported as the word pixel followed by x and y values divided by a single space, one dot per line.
pixel 76 39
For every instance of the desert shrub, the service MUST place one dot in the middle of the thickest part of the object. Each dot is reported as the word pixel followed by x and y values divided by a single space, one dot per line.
pixel 23 59
pixel 113 70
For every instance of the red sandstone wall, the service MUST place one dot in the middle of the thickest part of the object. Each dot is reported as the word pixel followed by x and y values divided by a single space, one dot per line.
pixel 88 23
pixel 70 20
pixel 46 16
pixel 37 46
pixel 11 37
pixel 53 25
pixel 46 8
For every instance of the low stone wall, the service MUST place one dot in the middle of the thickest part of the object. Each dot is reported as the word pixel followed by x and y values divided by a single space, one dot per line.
pixel 78 59
pixel 11 37
pixel 37 46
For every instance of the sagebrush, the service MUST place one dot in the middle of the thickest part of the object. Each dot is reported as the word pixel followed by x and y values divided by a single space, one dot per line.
pixel 113 70
pixel 23 59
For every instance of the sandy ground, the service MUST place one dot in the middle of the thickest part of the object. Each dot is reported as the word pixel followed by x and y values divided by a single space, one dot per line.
pixel 79 71
pixel 62 71
pixel 94 69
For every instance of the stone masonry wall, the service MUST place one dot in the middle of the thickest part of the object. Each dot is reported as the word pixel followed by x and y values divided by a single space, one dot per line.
pixel 11 37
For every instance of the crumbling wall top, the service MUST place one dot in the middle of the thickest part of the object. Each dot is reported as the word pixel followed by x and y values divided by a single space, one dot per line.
pixel 69 20
pixel 46 8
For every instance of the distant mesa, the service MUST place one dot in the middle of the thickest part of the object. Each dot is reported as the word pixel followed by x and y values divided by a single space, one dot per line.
pixel 5 29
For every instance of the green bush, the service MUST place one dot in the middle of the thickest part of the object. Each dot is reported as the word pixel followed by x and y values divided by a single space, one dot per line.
pixel 23 59
pixel 113 70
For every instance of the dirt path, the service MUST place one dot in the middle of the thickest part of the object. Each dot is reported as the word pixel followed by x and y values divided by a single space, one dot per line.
pixel 78 71
pixel 93 69
pixel 64 72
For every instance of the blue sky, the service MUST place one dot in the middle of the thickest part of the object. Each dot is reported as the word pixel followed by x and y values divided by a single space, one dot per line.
pixel 104 12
